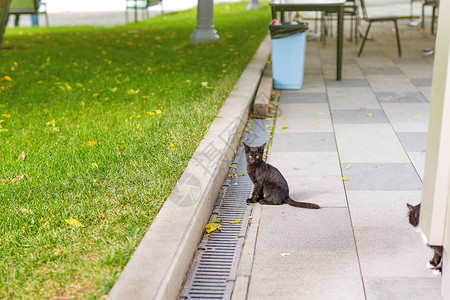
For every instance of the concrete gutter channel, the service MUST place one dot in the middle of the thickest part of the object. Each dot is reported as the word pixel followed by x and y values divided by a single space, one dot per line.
pixel 159 265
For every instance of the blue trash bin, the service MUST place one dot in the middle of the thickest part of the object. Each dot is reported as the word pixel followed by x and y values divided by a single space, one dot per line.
pixel 288 55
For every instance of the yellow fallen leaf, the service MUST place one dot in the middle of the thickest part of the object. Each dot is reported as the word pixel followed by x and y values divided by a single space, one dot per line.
pixel 250 204
pixel 268 119
pixel 187 81
pixel 113 90
pixel 94 95
pixel 151 113
pixel 363 108
pixel 267 126
pixel 251 132
pixel 347 167
pixel 344 179
pixel 235 183
pixel 301 108
pixel 158 111
pixel 285 254
pixel 418 117
pixel 267 130
pixel 97 182
pixel 282 119
pixel 68 87
pixel 91 143
pixel 7 78
pixel 285 127
pixel 21 156
pixel 319 114
pixel 74 222
pixel 235 221
pixel 205 84
pixel 6 116
pixel 401 112
pixel 27 211
pixel 213 226
pixel 318 126
pixel 94 165
pixel 368 115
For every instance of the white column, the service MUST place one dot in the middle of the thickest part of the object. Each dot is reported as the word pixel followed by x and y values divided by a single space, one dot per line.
pixel 435 209
pixel 254 4
pixel 204 32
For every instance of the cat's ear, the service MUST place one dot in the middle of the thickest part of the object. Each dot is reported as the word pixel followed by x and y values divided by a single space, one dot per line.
pixel 410 207
pixel 247 147
pixel 261 148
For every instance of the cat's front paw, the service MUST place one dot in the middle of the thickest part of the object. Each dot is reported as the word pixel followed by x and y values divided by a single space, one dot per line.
pixel 263 201
pixel 250 200
pixel 437 272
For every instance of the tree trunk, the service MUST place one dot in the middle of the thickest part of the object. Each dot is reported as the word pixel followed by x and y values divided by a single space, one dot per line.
pixel 4 8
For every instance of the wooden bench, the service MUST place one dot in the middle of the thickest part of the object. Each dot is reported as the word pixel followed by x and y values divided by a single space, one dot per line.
pixel 27 7
pixel 141 5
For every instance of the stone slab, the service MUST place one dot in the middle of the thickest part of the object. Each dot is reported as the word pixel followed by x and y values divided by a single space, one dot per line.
pixel 381 177
pixel 359 116
pixel 383 209
pixel 303 142
pixel 369 143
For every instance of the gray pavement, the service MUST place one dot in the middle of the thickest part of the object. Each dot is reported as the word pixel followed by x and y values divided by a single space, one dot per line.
pixel 370 128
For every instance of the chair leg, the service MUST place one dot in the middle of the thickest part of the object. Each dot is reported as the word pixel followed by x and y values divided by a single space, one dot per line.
pixel 351 29
pixel 364 39
pixel 398 39
pixel 433 17
pixel 423 16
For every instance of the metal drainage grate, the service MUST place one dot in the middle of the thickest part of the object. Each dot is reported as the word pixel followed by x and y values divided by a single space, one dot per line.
pixel 214 268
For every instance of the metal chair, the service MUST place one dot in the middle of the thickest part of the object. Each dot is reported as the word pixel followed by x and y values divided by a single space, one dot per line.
pixel 351 10
pixel 378 19
pixel 27 7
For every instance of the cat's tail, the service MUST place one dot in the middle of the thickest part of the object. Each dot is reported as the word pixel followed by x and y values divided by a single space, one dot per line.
pixel 302 204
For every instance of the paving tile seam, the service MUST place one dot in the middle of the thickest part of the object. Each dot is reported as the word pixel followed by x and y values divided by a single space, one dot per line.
pixel 346 199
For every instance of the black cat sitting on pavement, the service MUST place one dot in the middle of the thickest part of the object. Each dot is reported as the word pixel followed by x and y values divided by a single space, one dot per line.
pixel 270 187
pixel 414 215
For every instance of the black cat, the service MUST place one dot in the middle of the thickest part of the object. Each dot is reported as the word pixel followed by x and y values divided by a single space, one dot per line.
pixel 414 215
pixel 270 187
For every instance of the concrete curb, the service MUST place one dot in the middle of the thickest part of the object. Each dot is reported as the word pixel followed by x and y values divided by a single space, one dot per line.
pixel 158 267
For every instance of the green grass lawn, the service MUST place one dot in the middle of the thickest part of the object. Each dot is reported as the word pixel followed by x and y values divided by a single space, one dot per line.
pixel 107 119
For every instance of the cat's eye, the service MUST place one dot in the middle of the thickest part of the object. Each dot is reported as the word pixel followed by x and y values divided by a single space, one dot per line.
pixel 250 156
pixel 257 156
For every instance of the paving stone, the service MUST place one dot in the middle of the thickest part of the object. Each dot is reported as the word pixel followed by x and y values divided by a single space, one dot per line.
pixel 381 177
pixel 306 274
pixel 352 98
pixel 413 141
pixel 296 118
pixel 389 83
pixel 411 288
pixel 306 97
pixel 347 83
pixel 401 97
pixel 421 81
pixel 417 70
pixel 326 191
pixel 418 160
pixel 408 117
pixel 384 209
pixel 305 163
pixel 380 70
pixel 360 116
pixel 302 110
pixel 303 142
pixel 329 248
pixel 362 144
pixel 398 252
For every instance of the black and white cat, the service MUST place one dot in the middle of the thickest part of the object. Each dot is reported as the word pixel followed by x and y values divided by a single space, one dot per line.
pixel 270 187
pixel 414 215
